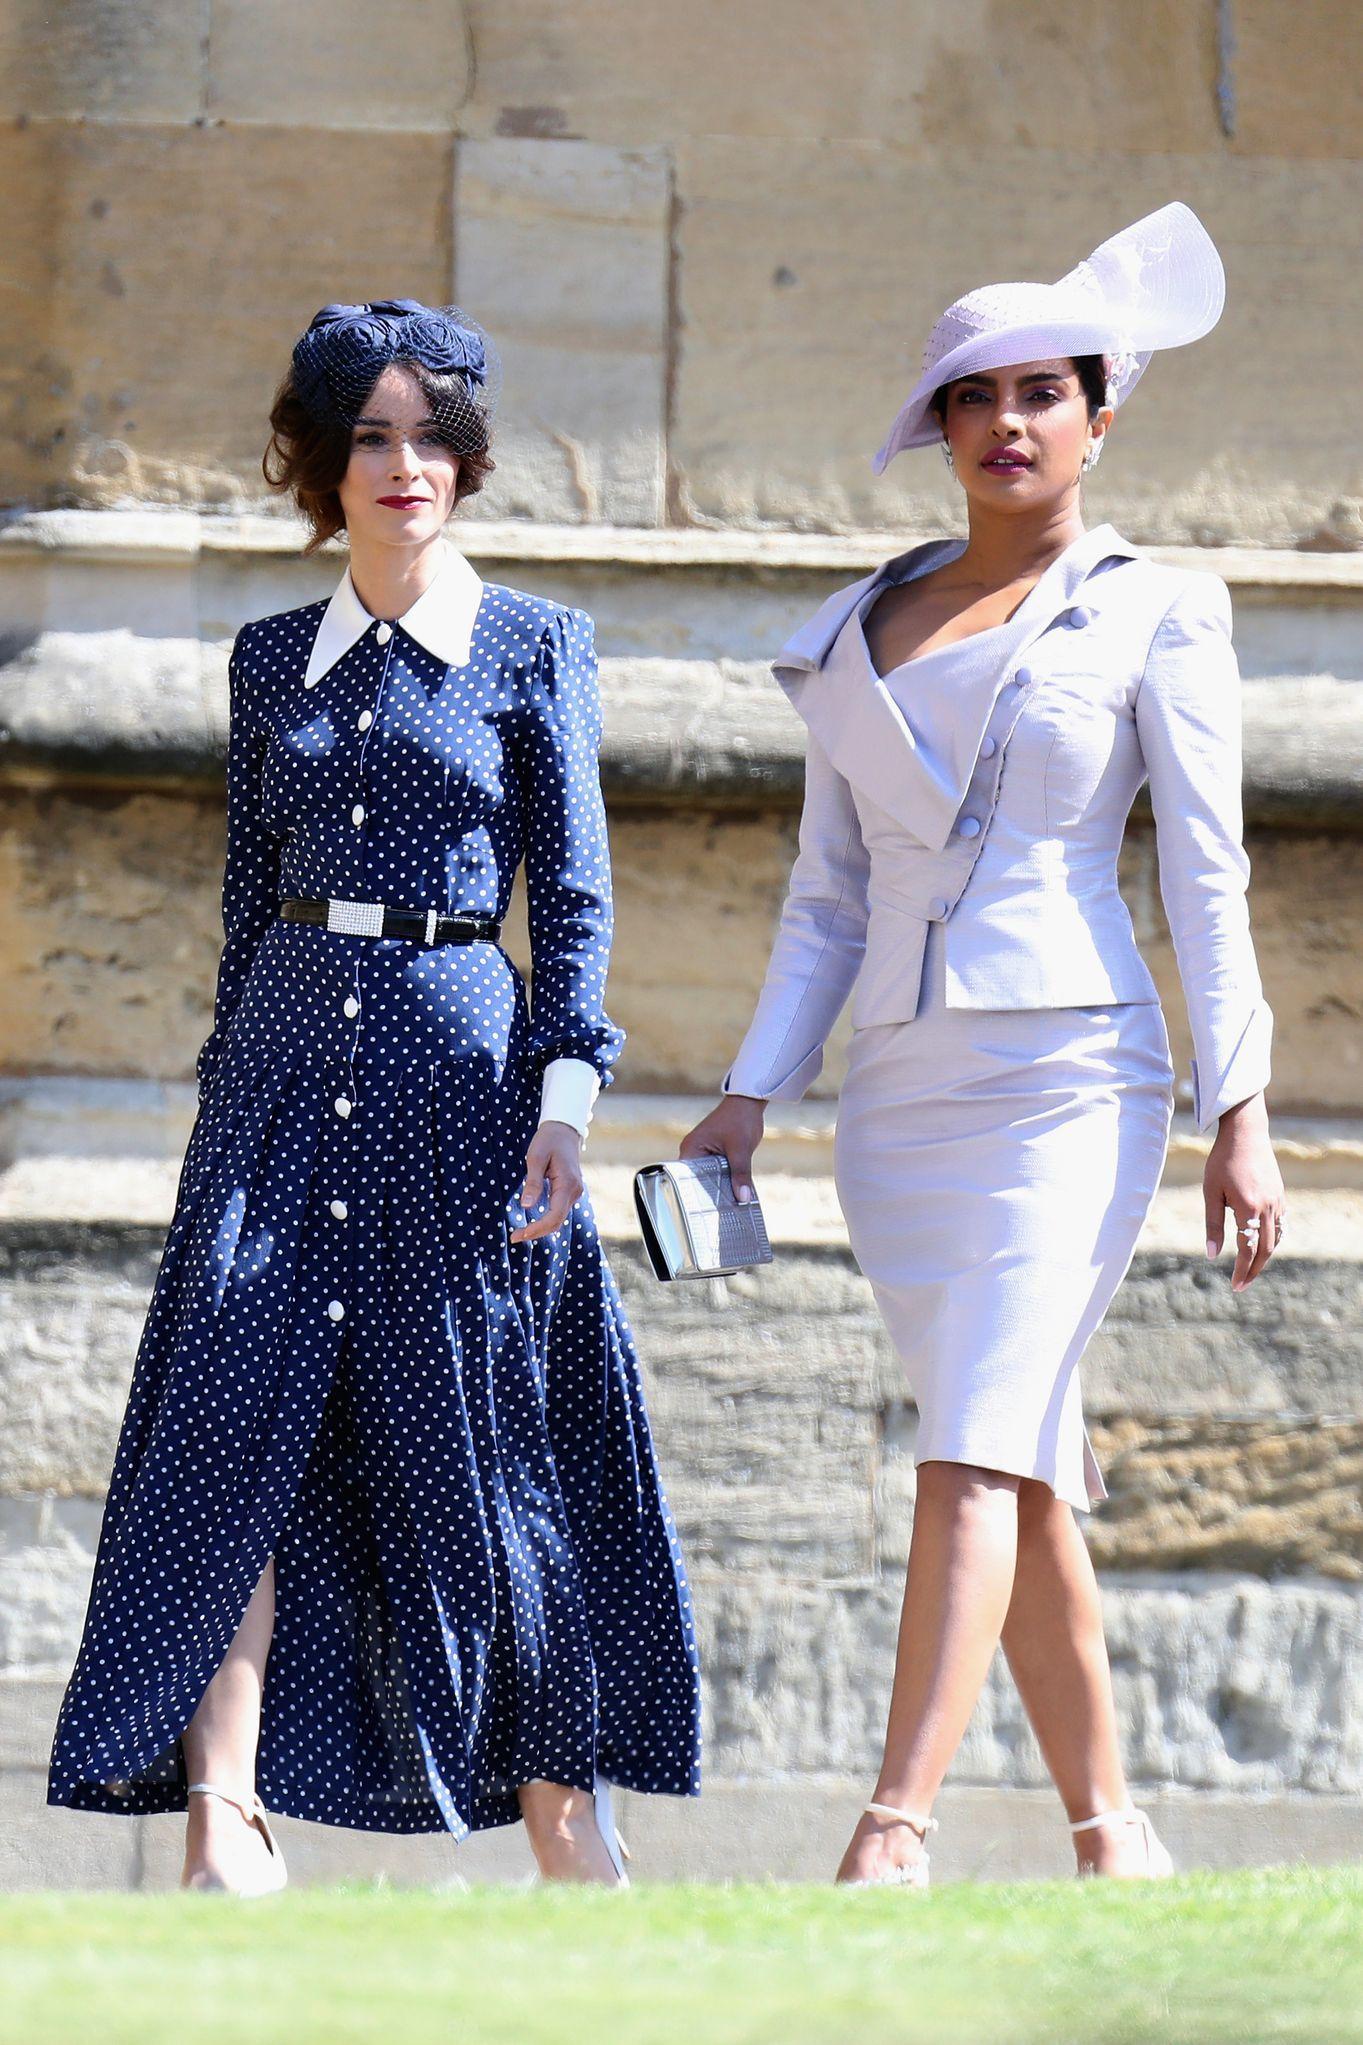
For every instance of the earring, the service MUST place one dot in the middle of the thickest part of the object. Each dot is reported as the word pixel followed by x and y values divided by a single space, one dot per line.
pixel 947 456
pixel 1093 454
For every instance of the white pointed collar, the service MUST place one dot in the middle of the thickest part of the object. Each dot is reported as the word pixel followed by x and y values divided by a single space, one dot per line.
pixel 441 619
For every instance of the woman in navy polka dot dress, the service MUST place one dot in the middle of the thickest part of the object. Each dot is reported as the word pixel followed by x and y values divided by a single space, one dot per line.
pixel 386 1544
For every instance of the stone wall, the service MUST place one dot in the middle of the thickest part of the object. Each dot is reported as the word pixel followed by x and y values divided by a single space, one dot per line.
pixel 708 240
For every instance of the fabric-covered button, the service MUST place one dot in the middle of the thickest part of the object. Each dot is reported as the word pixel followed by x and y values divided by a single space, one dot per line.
pixel 339 1209
pixel 384 633
pixel 937 906
pixel 1080 616
pixel 357 814
pixel 988 748
pixel 342 1106
pixel 351 1005
pixel 364 720
pixel 969 827
pixel 1022 677
pixel 336 1310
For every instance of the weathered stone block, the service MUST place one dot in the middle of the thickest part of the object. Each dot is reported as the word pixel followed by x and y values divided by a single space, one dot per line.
pixel 340 64
pixel 89 61
pixel 563 256
pixel 47 1549
pixel 1219 1683
pixel 1293 95
pixel 139 218
pixel 1261 1497
pixel 72 1304
pixel 34 379
pixel 777 416
pixel 912 78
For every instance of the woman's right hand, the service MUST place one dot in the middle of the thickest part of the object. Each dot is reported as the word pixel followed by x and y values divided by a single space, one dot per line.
pixel 731 1130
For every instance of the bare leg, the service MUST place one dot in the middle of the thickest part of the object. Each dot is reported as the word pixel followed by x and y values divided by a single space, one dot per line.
pixel 960 1579
pixel 222 1850
pixel 562 1829
pixel 1053 1638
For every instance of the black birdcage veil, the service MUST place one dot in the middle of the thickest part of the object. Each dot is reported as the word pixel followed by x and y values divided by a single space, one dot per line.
pixel 346 349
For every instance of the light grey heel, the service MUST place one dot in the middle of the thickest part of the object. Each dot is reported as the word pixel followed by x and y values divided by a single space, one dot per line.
pixel 1158 1861
pixel 917 1876
pixel 276 1875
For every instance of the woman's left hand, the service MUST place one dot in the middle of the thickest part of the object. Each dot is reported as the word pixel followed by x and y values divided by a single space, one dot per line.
pixel 553 1159
pixel 1242 1174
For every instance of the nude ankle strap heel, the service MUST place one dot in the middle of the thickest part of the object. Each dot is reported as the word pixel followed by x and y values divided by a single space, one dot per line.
pixel 1158 1861
pixel 917 1876
pixel 254 1814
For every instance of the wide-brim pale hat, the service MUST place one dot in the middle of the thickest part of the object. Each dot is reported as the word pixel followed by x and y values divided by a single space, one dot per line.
pixel 1157 284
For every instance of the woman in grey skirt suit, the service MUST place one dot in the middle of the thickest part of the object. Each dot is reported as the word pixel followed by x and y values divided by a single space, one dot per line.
pixel 980 716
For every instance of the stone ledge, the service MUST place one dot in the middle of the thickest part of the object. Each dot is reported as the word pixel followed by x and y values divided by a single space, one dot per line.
pixel 156 533
pixel 65 1140
pixel 1221 1685
pixel 794 1375
pixel 106 709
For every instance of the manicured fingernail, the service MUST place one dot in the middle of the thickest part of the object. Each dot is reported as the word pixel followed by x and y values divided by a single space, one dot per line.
pixel 1211 1247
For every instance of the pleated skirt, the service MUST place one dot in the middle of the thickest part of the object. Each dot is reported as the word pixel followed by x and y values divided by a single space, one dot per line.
pixel 437 1435
pixel 995 1169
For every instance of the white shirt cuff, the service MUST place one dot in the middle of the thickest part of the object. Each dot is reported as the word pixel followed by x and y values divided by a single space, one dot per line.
pixel 569 1093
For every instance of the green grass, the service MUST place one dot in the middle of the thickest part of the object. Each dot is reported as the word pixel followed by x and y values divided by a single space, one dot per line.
pixel 1205 1960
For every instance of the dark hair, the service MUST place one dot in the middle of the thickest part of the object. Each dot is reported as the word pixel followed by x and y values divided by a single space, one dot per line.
pixel 1088 368
pixel 308 456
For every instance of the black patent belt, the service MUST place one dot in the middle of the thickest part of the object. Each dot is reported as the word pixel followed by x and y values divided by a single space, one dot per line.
pixel 376 919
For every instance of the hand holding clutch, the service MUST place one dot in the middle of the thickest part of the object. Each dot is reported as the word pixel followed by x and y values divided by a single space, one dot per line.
pixel 693 1224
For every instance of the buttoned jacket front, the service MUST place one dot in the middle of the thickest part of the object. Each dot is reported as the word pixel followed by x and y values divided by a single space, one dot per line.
pixel 997 809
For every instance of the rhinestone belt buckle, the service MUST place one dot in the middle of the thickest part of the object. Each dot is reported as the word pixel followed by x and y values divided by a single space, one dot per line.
pixel 356 919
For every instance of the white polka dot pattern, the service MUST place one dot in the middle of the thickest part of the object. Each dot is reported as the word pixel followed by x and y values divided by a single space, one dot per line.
pixel 438 1435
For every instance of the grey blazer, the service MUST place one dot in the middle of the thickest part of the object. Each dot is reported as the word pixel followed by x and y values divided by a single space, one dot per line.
pixel 1000 812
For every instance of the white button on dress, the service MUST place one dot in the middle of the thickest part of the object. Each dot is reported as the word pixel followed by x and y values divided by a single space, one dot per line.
pixel 357 814
pixel 336 1310
pixel 970 827
pixel 1080 616
pixel 364 720
pixel 384 632
pixel 339 1209
pixel 937 907
pixel 988 748
pixel 351 1006
pixel 342 1106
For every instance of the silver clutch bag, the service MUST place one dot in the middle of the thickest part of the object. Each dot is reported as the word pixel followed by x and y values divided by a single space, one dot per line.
pixel 692 1225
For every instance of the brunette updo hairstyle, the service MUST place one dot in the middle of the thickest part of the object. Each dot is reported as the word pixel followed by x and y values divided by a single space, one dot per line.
pixel 308 456
pixel 1088 368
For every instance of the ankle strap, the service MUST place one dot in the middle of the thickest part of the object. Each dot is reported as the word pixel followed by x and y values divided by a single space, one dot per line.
pixel 1130 1815
pixel 922 1826
pixel 250 1811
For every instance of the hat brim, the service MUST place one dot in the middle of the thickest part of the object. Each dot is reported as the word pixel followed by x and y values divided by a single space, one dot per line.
pixel 916 424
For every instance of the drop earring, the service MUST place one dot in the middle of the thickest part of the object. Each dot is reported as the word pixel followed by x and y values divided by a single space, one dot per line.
pixel 1093 454
pixel 947 456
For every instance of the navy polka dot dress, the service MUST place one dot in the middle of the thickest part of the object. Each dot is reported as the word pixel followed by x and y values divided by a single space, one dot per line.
pixel 438 1435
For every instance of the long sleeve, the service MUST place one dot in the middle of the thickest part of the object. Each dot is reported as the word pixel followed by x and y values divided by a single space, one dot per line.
pixel 818 948
pixel 250 886
pixel 1188 721
pixel 567 864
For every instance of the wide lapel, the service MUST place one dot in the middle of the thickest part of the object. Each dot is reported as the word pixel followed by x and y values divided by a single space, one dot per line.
pixel 908 745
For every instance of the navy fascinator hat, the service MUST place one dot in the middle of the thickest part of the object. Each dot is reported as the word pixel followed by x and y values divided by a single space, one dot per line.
pixel 346 348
